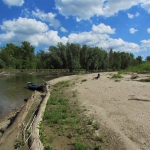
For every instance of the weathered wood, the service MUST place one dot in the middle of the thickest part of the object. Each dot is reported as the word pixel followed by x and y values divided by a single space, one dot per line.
pixel 19 119
pixel 34 140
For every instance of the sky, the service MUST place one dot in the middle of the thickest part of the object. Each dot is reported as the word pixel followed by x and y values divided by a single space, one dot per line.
pixel 123 25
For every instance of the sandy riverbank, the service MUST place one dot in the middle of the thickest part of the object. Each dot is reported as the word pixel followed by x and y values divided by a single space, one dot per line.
pixel 122 108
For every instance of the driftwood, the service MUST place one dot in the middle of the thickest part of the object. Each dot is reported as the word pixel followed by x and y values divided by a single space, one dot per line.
pixel 19 119
pixel 34 141
pixel 134 76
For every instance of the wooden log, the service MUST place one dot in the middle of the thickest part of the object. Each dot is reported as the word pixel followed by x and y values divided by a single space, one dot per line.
pixel 34 140
pixel 19 119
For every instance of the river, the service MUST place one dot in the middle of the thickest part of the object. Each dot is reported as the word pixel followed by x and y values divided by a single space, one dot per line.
pixel 13 89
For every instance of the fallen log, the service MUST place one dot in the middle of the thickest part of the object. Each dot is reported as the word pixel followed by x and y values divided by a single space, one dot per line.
pixel 19 119
pixel 34 140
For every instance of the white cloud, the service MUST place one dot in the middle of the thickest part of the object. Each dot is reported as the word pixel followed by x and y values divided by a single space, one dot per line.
pixel 148 30
pixel 132 15
pixel 63 29
pixel 85 9
pixel 13 2
pixel 145 44
pixel 102 28
pixel 23 29
pixel 78 19
pixel 132 30
pixel 38 34
pixel 103 40
pixel 146 5
pixel 24 26
pixel 137 14
pixel 49 17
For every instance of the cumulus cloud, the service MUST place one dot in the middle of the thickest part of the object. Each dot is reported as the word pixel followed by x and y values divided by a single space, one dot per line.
pixel 13 2
pixel 132 30
pixel 23 29
pixel 103 40
pixel 48 17
pixel 145 44
pixel 148 30
pixel 146 5
pixel 24 26
pixel 85 9
pixel 102 28
pixel 38 34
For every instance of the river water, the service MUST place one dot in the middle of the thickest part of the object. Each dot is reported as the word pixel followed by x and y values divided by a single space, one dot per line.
pixel 13 89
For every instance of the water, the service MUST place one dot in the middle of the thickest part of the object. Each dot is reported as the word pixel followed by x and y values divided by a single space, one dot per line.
pixel 13 89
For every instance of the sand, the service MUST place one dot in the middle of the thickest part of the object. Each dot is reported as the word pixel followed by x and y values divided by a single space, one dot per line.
pixel 122 107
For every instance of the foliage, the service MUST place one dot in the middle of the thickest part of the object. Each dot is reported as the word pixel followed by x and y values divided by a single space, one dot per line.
pixel 80 146
pixel 18 144
pixel 117 76
pixel 145 80
pixel 142 68
pixel 70 56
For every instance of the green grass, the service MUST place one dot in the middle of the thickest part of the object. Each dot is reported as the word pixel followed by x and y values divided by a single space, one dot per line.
pixel 145 80
pixel 80 146
pixel 116 76
pixel 65 116
pixel 142 68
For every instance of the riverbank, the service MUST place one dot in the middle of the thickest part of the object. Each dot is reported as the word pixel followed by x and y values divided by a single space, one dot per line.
pixel 121 107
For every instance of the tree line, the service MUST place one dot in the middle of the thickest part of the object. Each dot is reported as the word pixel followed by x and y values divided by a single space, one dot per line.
pixel 69 56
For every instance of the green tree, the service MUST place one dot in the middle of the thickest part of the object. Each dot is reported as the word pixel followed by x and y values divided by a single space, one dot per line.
pixel 73 56
pixel 147 58
pixel 111 59
pixel 138 60
pixel 28 56
pixel 55 57
pixel 117 61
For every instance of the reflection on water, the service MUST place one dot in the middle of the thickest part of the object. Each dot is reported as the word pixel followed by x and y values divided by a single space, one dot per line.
pixel 13 89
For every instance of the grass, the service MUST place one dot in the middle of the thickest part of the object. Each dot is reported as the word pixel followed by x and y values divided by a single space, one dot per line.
pixel 142 68
pixel 145 80
pixel 66 120
pixel 116 76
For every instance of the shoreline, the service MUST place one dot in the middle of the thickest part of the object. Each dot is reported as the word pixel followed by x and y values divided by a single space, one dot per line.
pixel 117 106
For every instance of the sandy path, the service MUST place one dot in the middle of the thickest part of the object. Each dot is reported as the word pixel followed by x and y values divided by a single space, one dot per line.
pixel 123 107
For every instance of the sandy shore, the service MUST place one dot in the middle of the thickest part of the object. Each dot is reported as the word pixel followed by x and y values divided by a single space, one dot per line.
pixel 122 107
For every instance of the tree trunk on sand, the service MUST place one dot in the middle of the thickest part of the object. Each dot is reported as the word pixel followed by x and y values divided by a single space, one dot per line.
pixel 19 119
pixel 34 141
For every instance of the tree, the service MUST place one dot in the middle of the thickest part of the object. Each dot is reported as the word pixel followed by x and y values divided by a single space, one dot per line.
pixel 28 56
pixel 138 60
pixel 111 59
pixel 73 56
pixel 117 61
pixel 55 57
pixel 148 58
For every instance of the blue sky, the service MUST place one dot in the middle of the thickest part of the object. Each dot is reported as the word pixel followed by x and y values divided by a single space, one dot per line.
pixel 123 25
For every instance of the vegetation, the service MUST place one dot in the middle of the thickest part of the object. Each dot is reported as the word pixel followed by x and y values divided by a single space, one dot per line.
pixel 70 56
pixel 141 68
pixel 145 80
pixel 65 119
pixel 116 76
